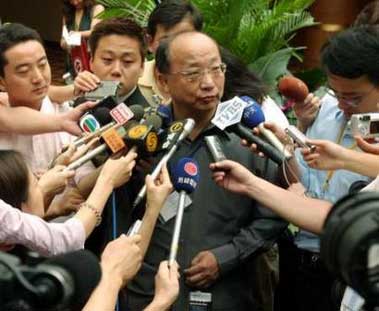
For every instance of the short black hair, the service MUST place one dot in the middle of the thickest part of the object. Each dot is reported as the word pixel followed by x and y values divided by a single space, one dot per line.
pixel 118 26
pixel 11 35
pixel 14 178
pixel 240 80
pixel 369 15
pixel 353 53
pixel 171 12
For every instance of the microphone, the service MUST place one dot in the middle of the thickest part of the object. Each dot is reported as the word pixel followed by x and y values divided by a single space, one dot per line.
pixel 93 120
pixel 61 282
pixel 136 113
pixel 184 128
pixel 185 178
pixel 229 115
pixel 118 137
pixel 253 116
pixel 293 88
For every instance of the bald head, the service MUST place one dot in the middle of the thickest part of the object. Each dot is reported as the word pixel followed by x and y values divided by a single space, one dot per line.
pixel 181 47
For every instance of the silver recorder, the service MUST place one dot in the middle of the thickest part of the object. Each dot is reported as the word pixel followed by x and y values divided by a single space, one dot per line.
pixel 365 124
pixel 299 138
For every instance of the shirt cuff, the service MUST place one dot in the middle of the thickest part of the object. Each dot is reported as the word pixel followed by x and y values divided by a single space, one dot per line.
pixel 227 257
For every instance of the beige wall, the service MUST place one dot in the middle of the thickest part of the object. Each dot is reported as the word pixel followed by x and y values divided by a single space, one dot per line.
pixel 42 15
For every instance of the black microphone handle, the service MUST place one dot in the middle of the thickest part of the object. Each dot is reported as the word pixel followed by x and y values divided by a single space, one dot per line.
pixel 263 146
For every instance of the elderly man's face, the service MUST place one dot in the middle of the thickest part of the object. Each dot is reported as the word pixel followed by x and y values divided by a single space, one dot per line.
pixel 196 78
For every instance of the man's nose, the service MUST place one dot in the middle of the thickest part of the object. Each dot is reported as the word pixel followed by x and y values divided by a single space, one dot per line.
pixel 206 80
pixel 116 69
pixel 37 75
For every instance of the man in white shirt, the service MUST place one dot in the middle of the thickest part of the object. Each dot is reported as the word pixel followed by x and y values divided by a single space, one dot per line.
pixel 25 74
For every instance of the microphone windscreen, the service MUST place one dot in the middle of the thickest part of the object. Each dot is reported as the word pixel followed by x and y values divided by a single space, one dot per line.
pixel 253 113
pixel 164 112
pixel 293 88
pixel 186 175
pixel 155 121
pixel 138 112
pixel 84 268
pixel 102 115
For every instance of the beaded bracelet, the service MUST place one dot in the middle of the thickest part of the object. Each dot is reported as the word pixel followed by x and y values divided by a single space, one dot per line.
pixel 94 210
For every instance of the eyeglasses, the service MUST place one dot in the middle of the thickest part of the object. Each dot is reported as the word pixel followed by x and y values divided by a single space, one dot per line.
pixel 197 75
pixel 350 101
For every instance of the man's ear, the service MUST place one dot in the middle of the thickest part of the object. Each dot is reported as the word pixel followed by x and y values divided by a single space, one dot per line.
pixel 90 61
pixel 162 81
pixel 149 40
pixel 2 84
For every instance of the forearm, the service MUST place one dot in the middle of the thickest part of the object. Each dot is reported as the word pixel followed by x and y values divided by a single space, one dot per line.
pixel 86 184
pixel 48 239
pixel 60 94
pixel 85 34
pixel 148 224
pixel 23 120
pixel 104 297
pixel 156 305
pixel 97 199
pixel 304 212
pixel 362 163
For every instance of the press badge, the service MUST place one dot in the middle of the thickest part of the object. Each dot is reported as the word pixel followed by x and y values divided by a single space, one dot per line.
pixel 170 208
pixel 200 301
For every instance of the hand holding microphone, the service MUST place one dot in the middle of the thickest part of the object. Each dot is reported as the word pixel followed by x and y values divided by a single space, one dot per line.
pixel 306 104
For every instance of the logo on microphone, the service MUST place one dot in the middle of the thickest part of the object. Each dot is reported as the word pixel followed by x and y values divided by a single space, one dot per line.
pixel 88 123
pixel 190 168
pixel 151 142
pixel 137 131
pixel 176 127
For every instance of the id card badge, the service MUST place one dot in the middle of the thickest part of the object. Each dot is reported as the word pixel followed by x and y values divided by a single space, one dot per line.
pixel 170 208
pixel 200 301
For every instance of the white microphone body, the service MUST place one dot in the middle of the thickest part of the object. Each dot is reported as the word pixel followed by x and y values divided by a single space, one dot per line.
pixel 187 129
pixel 273 140
pixel 177 228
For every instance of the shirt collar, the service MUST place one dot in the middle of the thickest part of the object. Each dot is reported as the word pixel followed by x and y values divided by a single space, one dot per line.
pixel 121 99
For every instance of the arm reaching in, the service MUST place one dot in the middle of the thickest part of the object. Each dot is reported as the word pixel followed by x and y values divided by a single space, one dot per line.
pixel 331 156
pixel 304 212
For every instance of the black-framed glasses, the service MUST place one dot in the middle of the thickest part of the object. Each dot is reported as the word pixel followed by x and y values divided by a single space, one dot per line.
pixel 198 74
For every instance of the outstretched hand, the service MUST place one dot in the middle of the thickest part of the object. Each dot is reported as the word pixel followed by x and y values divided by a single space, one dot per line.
pixel 232 176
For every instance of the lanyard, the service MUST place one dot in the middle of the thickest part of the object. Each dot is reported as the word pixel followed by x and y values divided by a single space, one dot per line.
pixel 330 173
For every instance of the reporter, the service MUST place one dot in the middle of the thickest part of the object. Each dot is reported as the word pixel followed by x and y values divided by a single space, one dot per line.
pixel 331 156
pixel 50 239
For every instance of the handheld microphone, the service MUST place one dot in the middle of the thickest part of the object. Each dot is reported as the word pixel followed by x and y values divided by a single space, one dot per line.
pixel 185 179
pixel 185 128
pixel 93 119
pixel 64 281
pixel 253 116
pixel 293 88
pixel 113 139
pixel 229 115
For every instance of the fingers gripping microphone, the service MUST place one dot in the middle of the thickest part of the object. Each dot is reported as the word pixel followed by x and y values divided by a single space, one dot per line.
pixel 185 178
pixel 253 116
pixel 229 115
pixel 184 128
